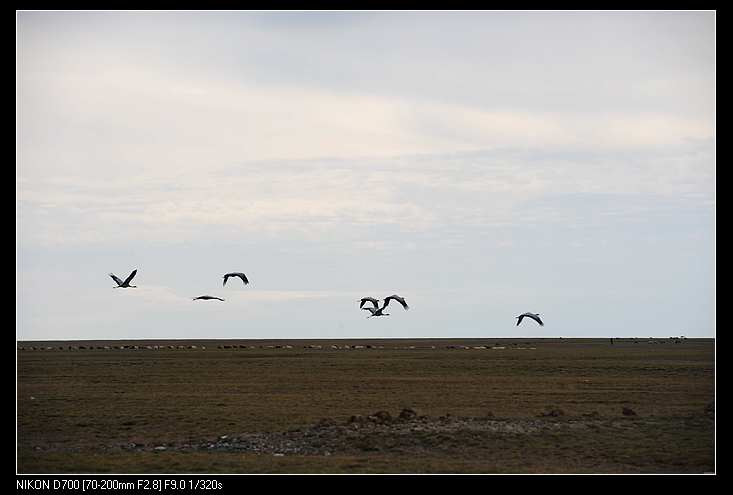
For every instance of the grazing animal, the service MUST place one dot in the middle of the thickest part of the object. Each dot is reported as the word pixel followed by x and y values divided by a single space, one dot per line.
pixel 376 310
pixel 235 274
pixel 126 283
pixel 208 297
pixel 534 316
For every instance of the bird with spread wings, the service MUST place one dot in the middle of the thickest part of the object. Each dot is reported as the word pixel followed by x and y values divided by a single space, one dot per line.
pixel 376 310
pixel 126 283
pixel 533 316
pixel 206 298
pixel 235 274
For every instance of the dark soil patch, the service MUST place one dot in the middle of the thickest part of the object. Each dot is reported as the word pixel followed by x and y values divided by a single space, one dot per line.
pixel 422 435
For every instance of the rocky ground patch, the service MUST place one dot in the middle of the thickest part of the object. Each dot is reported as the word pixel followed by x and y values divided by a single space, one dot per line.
pixel 406 432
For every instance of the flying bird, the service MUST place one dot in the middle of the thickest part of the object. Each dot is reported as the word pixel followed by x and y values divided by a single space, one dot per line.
pixel 534 316
pixel 235 274
pixel 397 298
pixel 376 310
pixel 208 297
pixel 126 283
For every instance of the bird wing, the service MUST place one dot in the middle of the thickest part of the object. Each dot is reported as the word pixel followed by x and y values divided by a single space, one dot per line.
pixel 519 319
pixel 236 274
pixel 364 300
pixel 132 275
pixel 226 277
pixel 537 319
pixel 116 278
pixel 396 298
pixel 371 310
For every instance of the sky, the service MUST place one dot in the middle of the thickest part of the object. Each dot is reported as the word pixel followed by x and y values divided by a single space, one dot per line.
pixel 479 164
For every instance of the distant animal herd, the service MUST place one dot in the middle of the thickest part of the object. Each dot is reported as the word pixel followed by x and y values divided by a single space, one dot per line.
pixel 139 347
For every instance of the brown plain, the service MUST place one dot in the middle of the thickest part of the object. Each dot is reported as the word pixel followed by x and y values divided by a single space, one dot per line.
pixel 97 410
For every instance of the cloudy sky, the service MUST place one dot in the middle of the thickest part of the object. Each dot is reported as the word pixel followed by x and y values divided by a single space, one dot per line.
pixel 480 164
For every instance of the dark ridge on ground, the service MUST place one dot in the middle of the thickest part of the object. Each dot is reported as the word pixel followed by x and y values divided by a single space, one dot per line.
pixel 410 433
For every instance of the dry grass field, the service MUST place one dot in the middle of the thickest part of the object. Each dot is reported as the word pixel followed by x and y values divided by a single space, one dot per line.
pixel 517 406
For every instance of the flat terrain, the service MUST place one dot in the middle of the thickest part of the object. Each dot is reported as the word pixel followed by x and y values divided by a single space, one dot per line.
pixel 378 406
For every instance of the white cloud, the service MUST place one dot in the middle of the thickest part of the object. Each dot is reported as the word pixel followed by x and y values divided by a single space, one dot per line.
pixel 140 119
pixel 314 198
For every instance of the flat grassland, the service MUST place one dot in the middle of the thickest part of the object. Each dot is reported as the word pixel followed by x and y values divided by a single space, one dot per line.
pixel 386 406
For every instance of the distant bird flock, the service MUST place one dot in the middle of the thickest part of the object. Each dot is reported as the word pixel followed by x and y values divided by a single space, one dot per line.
pixel 375 310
